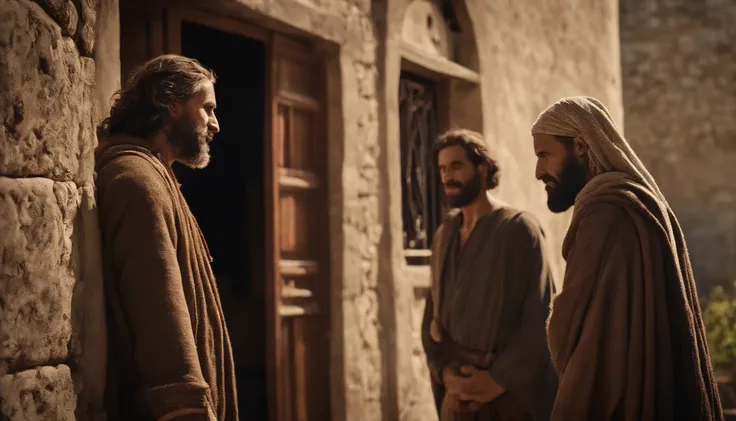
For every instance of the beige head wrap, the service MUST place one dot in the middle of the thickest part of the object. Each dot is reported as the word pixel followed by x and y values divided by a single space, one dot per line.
pixel 586 119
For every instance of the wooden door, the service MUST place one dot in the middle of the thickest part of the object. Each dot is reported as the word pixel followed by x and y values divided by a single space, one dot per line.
pixel 142 37
pixel 299 297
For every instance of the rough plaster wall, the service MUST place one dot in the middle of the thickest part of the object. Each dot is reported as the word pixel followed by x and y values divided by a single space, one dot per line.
pixel 530 55
pixel 46 144
pixel 679 85
pixel 422 405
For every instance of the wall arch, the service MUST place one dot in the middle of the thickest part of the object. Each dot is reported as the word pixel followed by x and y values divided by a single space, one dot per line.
pixel 441 32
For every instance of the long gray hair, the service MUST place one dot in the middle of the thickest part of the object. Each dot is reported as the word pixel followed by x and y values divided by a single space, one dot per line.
pixel 140 109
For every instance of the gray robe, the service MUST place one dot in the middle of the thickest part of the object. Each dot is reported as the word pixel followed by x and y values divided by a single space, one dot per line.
pixel 492 295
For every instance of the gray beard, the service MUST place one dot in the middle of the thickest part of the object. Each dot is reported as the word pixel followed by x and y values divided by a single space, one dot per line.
pixel 190 145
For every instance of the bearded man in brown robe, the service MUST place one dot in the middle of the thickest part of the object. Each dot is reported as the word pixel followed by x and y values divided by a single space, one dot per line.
pixel 625 333
pixel 170 357
pixel 484 324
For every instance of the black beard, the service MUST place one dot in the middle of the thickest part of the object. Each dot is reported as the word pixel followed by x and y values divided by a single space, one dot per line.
pixel 190 144
pixel 469 192
pixel 572 179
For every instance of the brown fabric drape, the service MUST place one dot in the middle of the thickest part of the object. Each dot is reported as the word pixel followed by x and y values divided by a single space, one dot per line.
pixel 170 356
pixel 625 334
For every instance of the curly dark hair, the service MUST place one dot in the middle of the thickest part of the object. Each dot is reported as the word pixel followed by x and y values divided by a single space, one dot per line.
pixel 140 108
pixel 475 149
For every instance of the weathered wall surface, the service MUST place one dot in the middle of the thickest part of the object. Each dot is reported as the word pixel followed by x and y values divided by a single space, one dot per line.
pixel 47 78
pixel 679 85
pixel 531 56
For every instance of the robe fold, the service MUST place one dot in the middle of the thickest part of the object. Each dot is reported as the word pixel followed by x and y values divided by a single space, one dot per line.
pixel 491 295
pixel 625 333
pixel 169 353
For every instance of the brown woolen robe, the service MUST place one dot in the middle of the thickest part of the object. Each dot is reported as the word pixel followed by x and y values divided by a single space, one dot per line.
pixel 492 295
pixel 170 355
pixel 625 334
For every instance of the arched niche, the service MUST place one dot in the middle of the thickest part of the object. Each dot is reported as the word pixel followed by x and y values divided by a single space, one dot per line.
pixel 441 29
pixel 439 89
pixel 438 43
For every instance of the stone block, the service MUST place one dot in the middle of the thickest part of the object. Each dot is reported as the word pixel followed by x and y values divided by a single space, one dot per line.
pixel 45 98
pixel 86 33
pixel 64 13
pixel 44 393
pixel 37 271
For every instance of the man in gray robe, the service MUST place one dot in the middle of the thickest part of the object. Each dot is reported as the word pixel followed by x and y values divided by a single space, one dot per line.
pixel 484 324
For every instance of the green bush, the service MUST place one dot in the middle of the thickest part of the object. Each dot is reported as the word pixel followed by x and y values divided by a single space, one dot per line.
pixel 719 317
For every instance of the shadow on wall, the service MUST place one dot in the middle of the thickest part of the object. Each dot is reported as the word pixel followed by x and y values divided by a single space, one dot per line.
pixel 336 203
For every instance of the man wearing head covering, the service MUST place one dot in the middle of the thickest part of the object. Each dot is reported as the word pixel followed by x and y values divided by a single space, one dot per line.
pixel 625 334
pixel 483 328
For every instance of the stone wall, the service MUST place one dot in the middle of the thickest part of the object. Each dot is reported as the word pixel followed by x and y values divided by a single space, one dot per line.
pixel 679 86
pixel 47 139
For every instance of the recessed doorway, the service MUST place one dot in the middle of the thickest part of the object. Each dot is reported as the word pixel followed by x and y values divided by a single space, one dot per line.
pixel 227 199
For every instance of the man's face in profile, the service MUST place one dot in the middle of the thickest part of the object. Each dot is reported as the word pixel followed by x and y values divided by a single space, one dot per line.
pixel 562 172
pixel 194 127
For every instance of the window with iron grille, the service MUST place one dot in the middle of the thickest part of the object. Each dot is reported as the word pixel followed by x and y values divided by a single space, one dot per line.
pixel 420 190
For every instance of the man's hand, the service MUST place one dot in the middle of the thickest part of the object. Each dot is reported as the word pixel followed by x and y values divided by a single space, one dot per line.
pixel 468 383
pixel 475 385
pixel 450 377
pixel 453 403
pixel 468 389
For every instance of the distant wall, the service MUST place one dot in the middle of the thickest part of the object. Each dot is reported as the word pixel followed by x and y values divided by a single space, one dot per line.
pixel 679 85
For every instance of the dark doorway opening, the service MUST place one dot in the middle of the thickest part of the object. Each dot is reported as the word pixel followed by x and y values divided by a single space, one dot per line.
pixel 227 199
